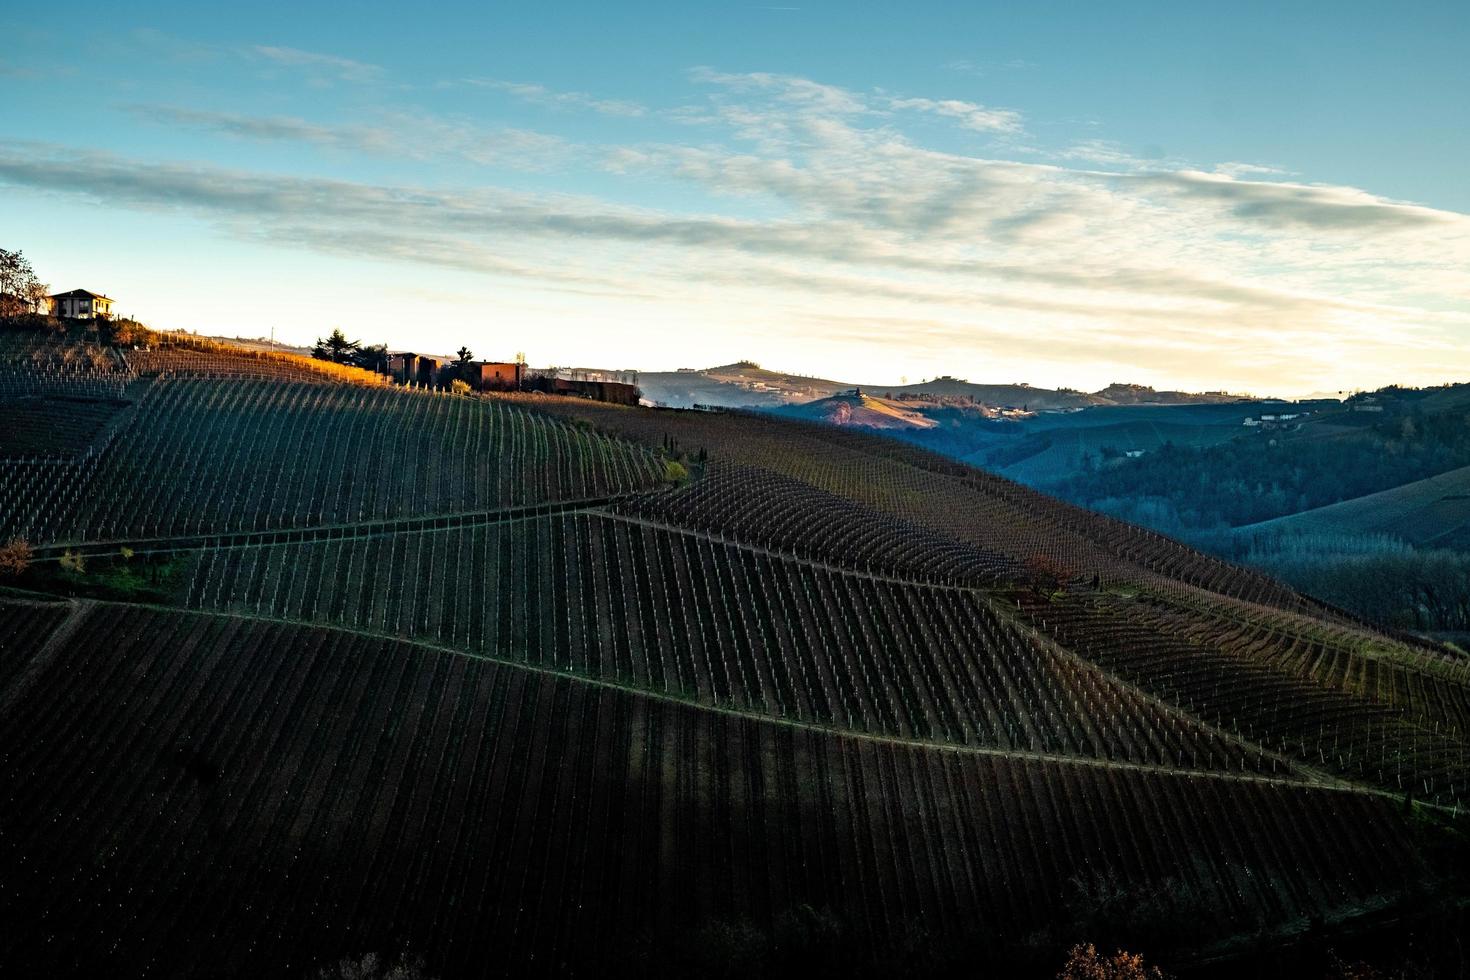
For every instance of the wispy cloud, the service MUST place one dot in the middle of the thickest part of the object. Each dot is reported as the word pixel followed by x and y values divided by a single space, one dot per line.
pixel 541 95
pixel 847 214
pixel 316 63
pixel 1288 205
pixel 413 136
pixel 317 67
pixel 968 114
pixel 8 70
pixel 971 66
pixel 791 90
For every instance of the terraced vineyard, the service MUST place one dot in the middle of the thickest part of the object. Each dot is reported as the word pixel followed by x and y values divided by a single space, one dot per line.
pixel 487 679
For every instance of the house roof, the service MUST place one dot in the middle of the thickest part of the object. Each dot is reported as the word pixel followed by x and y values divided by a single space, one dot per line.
pixel 79 292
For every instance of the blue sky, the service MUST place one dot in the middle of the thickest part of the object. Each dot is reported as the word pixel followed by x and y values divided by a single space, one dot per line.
pixel 1241 196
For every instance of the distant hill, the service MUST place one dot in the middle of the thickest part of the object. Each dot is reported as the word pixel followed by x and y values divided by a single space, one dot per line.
pixel 746 384
pixel 262 344
pixel 742 384
pixel 1009 395
pixel 863 411
pixel 1129 394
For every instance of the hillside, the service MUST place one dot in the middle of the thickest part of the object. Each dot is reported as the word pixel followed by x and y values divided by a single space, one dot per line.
pixel 1433 512
pixel 306 668
pixel 861 410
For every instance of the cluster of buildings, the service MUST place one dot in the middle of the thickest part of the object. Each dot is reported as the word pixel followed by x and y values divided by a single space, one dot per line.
pixel 408 367
pixel 618 387
pixel 1275 420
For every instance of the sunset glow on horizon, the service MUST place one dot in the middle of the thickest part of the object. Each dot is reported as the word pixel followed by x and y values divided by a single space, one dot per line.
pixel 820 188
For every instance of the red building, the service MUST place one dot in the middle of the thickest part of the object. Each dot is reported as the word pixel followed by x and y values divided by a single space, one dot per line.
pixel 497 376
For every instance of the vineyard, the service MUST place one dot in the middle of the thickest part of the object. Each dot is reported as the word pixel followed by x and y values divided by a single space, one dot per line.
pixel 305 667
pixel 211 457
pixel 265 793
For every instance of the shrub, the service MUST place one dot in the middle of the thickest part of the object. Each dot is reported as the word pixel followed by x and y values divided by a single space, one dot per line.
pixel 73 562
pixel 459 386
pixel 675 472
pixel 371 966
pixel 1085 963
pixel 15 557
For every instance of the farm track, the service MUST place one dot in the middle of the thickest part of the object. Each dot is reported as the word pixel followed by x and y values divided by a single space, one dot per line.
pixel 20 683
pixel 331 532
pixel 701 616
pixel 1314 779
pixel 998 604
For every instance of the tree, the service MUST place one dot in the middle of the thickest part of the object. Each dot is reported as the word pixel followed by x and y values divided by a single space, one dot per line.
pixel 1085 963
pixel 465 359
pixel 1046 574
pixel 72 561
pixel 20 291
pixel 15 558
pixel 337 348
pixel 373 358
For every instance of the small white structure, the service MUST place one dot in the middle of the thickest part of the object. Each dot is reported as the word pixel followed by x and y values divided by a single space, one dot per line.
pixel 81 304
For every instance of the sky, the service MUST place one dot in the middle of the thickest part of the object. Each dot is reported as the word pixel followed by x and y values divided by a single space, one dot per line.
pixel 1267 198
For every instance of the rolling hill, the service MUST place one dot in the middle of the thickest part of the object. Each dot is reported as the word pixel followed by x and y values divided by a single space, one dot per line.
pixel 306 667
pixel 745 384
pixel 860 410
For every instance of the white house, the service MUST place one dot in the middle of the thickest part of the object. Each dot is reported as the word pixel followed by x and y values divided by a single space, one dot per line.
pixel 80 304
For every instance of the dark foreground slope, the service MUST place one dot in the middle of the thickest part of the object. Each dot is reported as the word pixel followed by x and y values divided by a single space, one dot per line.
pixel 347 669
pixel 268 796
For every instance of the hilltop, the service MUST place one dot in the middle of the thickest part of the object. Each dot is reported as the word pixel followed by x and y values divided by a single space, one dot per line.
pixel 532 683
pixel 861 410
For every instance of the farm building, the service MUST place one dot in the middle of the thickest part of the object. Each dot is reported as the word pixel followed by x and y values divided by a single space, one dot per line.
pixel 406 367
pixel 614 392
pixel 81 304
pixel 497 375
pixel 615 387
